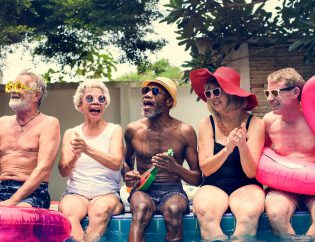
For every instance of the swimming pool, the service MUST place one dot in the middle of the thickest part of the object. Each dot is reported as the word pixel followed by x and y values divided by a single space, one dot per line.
pixel 118 228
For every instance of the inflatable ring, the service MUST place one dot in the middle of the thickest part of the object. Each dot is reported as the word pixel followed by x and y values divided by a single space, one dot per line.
pixel 308 100
pixel 286 174
pixel 33 224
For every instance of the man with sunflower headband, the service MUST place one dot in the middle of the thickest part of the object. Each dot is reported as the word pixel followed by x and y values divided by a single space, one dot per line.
pixel 29 142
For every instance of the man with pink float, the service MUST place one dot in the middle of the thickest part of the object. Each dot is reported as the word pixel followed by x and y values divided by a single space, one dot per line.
pixel 290 137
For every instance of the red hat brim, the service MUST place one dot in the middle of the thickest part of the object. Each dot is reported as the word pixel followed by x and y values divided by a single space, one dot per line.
pixel 199 78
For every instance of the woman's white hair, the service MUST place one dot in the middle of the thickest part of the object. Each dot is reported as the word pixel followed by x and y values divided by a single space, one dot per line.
pixel 77 98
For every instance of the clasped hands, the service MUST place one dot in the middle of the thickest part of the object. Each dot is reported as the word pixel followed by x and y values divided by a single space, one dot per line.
pixel 237 137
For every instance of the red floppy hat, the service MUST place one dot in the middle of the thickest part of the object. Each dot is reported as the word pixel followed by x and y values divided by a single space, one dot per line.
pixel 229 81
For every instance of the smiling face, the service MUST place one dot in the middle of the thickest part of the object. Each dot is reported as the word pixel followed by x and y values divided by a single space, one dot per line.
pixel 93 103
pixel 284 99
pixel 217 103
pixel 155 101
pixel 24 99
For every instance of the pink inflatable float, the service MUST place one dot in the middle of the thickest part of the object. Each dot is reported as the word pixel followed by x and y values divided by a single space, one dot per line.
pixel 33 224
pixel 308 102
pixel 286 174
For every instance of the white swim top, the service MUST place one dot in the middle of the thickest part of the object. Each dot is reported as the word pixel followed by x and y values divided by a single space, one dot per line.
pixel 89 178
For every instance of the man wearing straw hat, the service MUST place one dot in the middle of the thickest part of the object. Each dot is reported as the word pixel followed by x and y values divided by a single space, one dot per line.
pixel 147 141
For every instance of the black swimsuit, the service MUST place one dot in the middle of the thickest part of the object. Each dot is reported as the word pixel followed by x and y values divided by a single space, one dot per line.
pixel 230 175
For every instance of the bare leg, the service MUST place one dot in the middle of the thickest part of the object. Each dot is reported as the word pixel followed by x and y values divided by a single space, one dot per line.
pixel 173 211
pixel 210 203
pixel 247 204
pixel 100 210
pixel 74 207
pixel 142 208
pixel 311 207
pixel 280 207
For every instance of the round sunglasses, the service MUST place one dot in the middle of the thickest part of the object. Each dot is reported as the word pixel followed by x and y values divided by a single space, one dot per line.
pixel 276 92
pixel 90 99
pixel 216 92
pixel 155 91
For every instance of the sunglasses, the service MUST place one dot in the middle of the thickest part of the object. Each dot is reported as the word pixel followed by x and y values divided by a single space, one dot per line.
pixel 276 92
pixel 155 90
pixel 18 86
pixel 216 92
pixel 90 99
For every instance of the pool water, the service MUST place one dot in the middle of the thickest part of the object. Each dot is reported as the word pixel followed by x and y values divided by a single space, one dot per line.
pixel 119 226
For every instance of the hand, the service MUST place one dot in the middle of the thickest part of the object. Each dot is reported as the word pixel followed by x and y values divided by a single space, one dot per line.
pixel 8 202
pixel 231 141
pixel 240 136
pixel 79 146
pixel 164 161
pixel 132 178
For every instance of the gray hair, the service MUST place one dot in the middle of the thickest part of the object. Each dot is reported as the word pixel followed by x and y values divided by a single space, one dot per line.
pixel 91 83
pixel 40 84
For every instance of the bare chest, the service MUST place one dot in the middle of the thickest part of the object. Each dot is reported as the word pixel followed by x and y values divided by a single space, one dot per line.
pixel 149 143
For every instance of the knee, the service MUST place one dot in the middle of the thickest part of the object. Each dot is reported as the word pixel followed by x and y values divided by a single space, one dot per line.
pixel 249 214
pixel 204 211
pixel 101 212
pixel 278 214
pixel 173 211
pixel 141 212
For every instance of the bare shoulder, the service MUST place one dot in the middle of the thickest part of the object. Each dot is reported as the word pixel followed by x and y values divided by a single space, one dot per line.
pixel 135 126
pixel 204 122
pixel 269 117
pixel 256 121
pixel 185 129
pixel 6 119
pixel 50 122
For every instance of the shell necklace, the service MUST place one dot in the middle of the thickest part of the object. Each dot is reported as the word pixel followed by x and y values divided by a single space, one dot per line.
pixel 226 131
pixel 22 125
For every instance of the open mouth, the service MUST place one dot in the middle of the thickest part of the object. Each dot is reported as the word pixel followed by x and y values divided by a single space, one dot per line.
pixel 148 104
pixel 15 96
pixel 95 110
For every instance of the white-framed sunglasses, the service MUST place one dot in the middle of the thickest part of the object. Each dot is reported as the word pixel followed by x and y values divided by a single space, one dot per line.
pixel 216 92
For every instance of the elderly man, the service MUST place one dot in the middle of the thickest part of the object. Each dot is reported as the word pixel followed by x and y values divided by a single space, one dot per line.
pixel 147 142
pixel 29 142
pixel 289 135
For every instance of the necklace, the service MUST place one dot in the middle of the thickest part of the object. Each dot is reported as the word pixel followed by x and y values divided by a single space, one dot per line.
pixel 22 125
pixel 226 131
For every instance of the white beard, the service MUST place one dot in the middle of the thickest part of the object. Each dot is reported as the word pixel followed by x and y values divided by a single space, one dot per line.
pixel 19 105
pixel 158 110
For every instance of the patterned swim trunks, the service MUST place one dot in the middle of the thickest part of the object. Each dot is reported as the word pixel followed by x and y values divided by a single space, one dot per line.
pixel 40 198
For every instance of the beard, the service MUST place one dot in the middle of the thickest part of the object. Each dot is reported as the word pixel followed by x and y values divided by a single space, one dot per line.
pixel 19 105
pixel 156 112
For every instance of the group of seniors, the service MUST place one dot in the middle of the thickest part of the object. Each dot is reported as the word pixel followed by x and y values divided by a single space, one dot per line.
pixel 223 159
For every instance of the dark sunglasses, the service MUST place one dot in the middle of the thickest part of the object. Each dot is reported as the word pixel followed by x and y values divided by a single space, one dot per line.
pixel 276 92
pixel 216 92
pixel 90 99
pixel 155 90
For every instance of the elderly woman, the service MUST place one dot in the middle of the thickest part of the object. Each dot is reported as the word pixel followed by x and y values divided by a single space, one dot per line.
pixel 230 144
pixel 91 157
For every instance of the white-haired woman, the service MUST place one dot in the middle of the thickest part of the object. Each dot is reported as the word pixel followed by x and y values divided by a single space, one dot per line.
pixel 91 157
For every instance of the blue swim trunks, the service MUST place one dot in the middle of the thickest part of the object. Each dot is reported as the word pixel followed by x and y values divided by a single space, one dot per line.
pixel 40 198
pixel 161 192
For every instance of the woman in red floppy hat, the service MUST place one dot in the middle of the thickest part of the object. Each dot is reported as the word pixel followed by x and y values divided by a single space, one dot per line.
pixel 230 144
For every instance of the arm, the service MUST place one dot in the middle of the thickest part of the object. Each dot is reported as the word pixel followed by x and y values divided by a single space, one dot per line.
pixel 68 156
pixel 129 174
pixel 192 176
pixel 112 159
pixel 48 147
pixel 208 162
pixel 250 150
